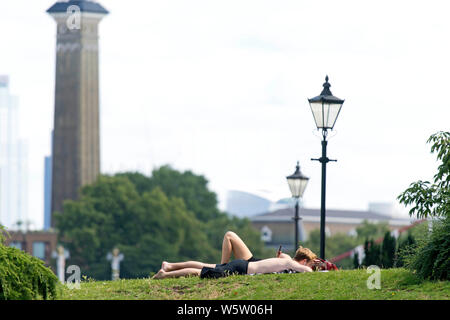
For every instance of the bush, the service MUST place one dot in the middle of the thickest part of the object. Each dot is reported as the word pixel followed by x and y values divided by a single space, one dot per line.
pixel 23 276
pixel 430 256
pixel 403 246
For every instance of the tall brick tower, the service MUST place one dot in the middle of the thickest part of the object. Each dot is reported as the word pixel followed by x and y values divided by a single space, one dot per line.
pixel 76 140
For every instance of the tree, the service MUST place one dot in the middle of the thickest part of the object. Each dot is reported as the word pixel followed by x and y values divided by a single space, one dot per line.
pixel 135 214
pixel 147 228
pixel 356 264
pixel 372 252
pixel 192 188
pixel 430 258
pixel 432 199
pixel 371 230
pixel 382 254
pixel 388 250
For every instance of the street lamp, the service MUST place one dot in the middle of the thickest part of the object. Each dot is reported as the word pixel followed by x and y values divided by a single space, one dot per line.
pixel 325 109
pixel 297 183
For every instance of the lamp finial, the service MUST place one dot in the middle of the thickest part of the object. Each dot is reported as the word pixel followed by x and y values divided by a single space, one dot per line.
pixel 326 88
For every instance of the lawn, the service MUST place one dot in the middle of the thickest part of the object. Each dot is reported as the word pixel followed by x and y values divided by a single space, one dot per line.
pixel 396 284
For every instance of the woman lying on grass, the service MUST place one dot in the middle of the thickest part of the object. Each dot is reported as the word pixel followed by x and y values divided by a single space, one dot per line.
pixel 245 263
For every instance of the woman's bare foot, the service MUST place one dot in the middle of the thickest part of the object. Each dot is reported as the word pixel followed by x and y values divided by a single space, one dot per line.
pixel 165 266
pixel 159 275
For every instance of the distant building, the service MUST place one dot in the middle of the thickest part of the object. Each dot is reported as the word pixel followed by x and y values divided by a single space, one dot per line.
pixel 13 162
pixel 386 208
pixel 48 190
pixel 245 204
pixel 76 139
pixel 39 244
pixel 277 227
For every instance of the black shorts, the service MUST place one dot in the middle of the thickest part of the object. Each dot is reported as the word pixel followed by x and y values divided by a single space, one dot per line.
pixel 253 259
pixel 226 269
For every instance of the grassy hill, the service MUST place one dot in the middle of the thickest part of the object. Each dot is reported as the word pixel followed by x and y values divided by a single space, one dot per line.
pixel 342 285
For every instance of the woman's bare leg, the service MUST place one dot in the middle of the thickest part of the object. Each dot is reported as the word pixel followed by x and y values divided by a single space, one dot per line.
pixel 177 273
pixel 167 266
pixel 233 244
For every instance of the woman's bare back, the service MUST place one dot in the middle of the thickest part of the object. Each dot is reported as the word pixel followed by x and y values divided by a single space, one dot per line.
pixel 268 265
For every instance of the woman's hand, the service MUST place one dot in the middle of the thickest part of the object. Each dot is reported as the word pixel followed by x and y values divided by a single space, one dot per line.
pixel 279 252
pixel 318 265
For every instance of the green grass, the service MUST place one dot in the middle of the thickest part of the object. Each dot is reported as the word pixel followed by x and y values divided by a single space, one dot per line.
pixel 396 284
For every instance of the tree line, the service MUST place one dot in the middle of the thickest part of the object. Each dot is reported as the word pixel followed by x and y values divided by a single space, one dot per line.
pixel 169 215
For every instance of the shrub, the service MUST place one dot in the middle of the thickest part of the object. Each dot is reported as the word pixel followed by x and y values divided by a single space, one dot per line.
pixel 23 276
pixel 430 257
pixel 405 244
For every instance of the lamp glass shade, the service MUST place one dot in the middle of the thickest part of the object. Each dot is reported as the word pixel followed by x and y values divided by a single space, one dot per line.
pixel 325 114
pixel 297 187
pixel 297 183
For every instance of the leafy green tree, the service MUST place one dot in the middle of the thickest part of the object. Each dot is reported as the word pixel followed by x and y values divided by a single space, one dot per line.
pixel 432 199
pixel 192 188
pixel 150 220
pixel 147 228
pixel 430 258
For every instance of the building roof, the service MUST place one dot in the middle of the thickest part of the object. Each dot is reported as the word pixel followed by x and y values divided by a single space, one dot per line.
pixel 332 215
pixel 84 5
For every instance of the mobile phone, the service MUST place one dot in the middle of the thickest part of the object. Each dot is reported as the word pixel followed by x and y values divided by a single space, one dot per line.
pixel 279 249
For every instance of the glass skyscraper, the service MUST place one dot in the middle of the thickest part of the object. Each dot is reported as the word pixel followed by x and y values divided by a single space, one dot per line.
pixel 13 163
pixel 48 190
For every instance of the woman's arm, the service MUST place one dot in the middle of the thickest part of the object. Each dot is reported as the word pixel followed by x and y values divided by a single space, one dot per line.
pixel 283 256
pixel 293 265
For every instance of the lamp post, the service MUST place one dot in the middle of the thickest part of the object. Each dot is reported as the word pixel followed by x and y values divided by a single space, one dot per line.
pixel 325 109
pixel 297 183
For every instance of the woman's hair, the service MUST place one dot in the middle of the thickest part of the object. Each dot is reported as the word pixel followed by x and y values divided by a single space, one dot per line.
pixel 304 253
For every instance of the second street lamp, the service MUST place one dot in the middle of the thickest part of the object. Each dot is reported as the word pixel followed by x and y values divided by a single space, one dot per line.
pixel 325 109
pixel 297 183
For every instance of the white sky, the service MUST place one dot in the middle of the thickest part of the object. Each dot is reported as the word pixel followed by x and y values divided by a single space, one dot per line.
pixel 221 88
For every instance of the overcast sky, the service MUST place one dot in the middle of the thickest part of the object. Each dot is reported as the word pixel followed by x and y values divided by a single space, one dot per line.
pixel 221 88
